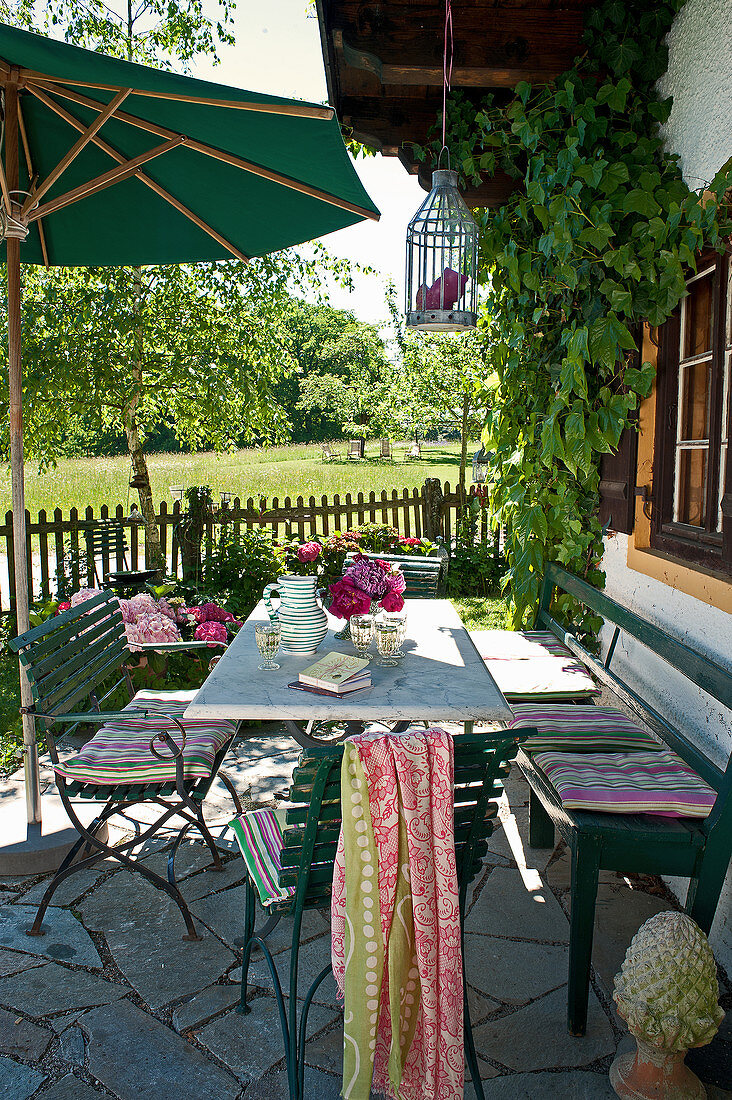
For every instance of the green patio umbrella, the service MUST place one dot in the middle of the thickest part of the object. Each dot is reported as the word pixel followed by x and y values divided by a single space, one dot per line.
pixel 112 163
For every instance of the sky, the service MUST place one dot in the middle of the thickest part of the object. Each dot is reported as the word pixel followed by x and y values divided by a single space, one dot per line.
pixel 278 51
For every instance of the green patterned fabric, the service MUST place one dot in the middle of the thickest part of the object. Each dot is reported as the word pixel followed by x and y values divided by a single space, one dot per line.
pixel 259 836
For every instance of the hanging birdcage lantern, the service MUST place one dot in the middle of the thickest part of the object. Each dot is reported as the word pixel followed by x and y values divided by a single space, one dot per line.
pixel 442 260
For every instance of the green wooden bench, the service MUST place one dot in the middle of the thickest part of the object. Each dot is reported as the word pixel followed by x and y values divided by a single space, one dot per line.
pixel 145 753
pixel 694 848
pixel 425 576
pixel 310 839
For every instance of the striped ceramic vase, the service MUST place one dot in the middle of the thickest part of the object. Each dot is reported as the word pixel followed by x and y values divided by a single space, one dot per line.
pixel 303 622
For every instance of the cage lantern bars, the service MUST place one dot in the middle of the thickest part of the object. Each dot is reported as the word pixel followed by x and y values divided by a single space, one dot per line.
pixel 442 260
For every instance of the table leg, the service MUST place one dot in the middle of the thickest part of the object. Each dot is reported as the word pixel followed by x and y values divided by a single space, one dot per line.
pixel 301 732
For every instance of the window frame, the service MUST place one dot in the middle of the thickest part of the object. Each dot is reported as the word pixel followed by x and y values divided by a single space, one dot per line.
pixel 699 546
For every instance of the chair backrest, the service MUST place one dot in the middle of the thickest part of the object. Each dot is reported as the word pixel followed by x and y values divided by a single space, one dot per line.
pixel 702 671
pixel 70 656
pixel 422 574
pixel 108 541
pixel 385 448
pixel 354 447
pixel 313 819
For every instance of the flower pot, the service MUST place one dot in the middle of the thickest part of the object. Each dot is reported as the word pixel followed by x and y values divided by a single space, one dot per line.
pixel 303 622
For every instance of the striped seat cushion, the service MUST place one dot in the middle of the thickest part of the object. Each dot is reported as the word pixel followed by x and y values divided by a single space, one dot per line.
pixel 119 752
pixel 579 728
pixel 627 783
pixel 527 664
pixel 259 836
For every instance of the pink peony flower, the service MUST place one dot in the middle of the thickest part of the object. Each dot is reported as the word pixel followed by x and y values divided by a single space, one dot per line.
pixel 309 551
pixel 348 599
pixel 396 581
pixel 392 601
pixel 214 633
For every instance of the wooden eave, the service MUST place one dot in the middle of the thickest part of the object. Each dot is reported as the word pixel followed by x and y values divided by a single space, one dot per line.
pixel 383 63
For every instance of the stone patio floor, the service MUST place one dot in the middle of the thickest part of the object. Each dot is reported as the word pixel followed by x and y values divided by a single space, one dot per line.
pixel 111 1002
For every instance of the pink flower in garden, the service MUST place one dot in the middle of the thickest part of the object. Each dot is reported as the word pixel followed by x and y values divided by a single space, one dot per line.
pixel 309 551
pixel 409 541
pixel 64 606
pixel 211 613
pixel 392 601
pixel 154 628
pixel 85 594
pixel 212 632
pixel 348 599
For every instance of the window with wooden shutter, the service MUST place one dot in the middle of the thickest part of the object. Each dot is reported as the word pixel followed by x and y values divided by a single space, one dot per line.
pixel 617 483
pixel 691 482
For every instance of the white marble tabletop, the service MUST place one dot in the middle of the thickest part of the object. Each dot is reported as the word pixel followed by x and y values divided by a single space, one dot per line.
pixel 442 677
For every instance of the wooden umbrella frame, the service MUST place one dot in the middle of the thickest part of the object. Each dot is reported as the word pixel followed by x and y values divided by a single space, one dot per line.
pixel 18 215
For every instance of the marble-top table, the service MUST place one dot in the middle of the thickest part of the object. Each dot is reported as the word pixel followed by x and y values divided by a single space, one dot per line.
pixel 441 678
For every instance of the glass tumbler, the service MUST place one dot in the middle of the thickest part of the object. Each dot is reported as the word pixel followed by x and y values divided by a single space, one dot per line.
pixel 387 642
pixel 267 636
pixel 399 618
pixel 362 631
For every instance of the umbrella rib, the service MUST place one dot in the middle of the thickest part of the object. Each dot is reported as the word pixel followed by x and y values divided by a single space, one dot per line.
pixel 219 154
pixel 31 173
pixel 147 180
pixel 4 187
pixel 99 183
pixel 293 110
pixel 107 111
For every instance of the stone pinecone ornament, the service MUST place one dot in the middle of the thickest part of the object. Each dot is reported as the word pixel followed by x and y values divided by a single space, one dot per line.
pixel 667 988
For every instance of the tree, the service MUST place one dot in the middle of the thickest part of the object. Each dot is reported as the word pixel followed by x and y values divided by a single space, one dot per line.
pixel 343 374
pixel 442 383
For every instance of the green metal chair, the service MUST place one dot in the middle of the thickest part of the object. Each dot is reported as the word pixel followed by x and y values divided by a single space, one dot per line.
pixel 308 853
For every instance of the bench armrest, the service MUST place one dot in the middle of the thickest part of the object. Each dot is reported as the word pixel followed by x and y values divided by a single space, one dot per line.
pixel 92 716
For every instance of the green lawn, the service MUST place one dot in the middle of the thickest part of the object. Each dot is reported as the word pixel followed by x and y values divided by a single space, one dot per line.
pixel 291 471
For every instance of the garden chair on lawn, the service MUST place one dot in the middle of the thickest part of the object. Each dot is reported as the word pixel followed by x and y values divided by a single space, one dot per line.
pixel 413 453
pixel 354 449
pixel 109 542
pixel 385 450
pixel 292 872
pixel 328 454
pixel 147 752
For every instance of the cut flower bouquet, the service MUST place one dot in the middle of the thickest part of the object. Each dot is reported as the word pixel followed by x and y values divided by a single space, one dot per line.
pixel 367 583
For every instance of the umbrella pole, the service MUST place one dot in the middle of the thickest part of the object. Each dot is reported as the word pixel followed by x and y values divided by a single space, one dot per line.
pixel 30 750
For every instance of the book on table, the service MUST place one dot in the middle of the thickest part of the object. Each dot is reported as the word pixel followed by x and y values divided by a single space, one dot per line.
pixel 337 672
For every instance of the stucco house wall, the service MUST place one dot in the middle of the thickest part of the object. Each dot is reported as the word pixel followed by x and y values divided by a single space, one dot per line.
pixel 699 129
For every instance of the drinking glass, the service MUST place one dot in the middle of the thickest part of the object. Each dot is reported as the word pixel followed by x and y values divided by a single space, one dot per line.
pixel 387 642
pixel 399 618
pixel 362 631
pixel 267 636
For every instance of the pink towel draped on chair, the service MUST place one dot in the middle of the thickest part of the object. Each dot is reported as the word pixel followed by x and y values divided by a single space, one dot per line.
pixel 403 995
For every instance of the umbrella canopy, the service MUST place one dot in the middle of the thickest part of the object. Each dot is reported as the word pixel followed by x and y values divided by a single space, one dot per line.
pixel 111 163
pixel 166 168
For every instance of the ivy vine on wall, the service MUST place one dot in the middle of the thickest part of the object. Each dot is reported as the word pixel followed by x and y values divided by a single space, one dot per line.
pixel 596 239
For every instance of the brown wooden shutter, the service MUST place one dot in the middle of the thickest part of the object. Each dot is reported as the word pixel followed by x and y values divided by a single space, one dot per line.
pixel 617 483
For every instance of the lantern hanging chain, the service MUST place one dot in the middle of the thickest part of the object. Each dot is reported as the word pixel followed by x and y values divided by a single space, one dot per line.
pixel 446 68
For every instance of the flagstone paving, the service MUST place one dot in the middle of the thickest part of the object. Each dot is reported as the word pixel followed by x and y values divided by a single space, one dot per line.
pixel 112 1003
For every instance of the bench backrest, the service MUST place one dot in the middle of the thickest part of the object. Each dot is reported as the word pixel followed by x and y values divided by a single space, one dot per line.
pixel 314 813
pixel 423 575
pixel 70 657
pixel 704 672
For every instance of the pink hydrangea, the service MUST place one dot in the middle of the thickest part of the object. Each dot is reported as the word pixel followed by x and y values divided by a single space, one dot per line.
pixel 211 613
pixel 63 606
pixel 157 629
pixel 214 633
pixel 84 594
pixel 309 551
pixel 370 575
pixel 143 604
pixel 348 599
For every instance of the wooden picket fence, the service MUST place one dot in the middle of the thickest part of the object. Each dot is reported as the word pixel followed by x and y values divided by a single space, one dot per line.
pixel 56 544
